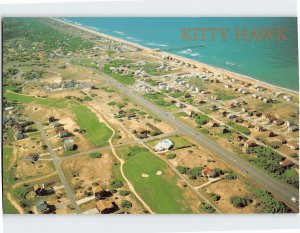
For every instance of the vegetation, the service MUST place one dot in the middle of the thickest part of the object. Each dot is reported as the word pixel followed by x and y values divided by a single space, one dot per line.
pixel 207 208
pixel 182 169
pixel 268 204
pixel 159 192
pixel 239 202
pixel 86 62
pixel 20 194
pixel 194 173
pixel 201 119
pixel 171 156
pixel 95 155
pixel 127 79
pixel 96 132
pixel 41 33
pixel 116 184
pixel 126 204
pixel 269 160
pixel 238 127
pixel 215 197
pixel 124 192
pixel 158 98
pixel 231 176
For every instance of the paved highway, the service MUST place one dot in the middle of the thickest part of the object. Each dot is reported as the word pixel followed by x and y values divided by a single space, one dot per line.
pixel 282 191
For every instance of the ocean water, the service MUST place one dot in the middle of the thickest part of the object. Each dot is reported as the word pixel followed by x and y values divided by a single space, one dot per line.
pixel 274 62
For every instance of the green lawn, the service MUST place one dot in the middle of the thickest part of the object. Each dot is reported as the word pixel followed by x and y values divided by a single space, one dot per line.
pixel 161 193
pixel 87 62
pixel 8 208
pixel 239 127
pixel 97 133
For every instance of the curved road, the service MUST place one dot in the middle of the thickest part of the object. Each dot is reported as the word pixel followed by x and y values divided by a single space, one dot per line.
pixel 280 190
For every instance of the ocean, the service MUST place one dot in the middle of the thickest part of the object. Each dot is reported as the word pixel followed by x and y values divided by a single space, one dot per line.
pixel 274 62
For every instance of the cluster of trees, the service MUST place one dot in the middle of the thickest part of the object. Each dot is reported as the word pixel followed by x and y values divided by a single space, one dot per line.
pixel 116 184
pixel 207 208
pixel 33 74
pixel 20 193
pixel 268 204
pixel 193 173
pixel 10 72
pixel 240 202
pixel 270 161
pixel 231 176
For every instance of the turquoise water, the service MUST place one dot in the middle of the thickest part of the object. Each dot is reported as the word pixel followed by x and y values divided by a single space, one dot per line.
pixel 274 62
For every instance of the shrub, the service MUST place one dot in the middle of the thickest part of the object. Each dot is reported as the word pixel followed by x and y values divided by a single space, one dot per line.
pixel 239 202
pixel 124 192
pixel 95 155
pixel 219 171
pixel 215 197
pixel 116 184
pixel 126 204
pixel 207 208
pixel 231 176
pixel 182 169
pixel 171 156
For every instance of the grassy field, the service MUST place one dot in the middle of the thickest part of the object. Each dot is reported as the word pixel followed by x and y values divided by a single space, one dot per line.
pixel 178 141
pixel 86 62
pixel 8 208
pixel 161 193
pixel 96 132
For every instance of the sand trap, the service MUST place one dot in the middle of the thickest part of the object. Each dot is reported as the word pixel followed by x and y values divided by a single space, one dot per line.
pixel 158 173
pixel 144 175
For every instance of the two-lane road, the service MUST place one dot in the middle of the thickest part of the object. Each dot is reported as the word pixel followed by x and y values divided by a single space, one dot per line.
pixel 282 191
pixel 61 175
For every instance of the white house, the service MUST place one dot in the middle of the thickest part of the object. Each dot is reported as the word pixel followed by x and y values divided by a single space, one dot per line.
pixel 163 145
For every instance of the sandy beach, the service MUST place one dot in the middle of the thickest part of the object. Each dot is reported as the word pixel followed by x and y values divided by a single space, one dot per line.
pixel 200 65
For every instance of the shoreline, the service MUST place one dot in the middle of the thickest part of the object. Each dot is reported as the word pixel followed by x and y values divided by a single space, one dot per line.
pixel 215 69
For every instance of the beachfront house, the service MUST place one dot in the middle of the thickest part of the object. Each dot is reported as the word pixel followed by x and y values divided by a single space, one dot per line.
pixel 164 145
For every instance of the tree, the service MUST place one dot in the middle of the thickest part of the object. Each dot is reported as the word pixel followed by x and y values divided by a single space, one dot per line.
pixel 219 171
pixel 239 202
pixel 182 169
pixel 126 204
pixel 215 197
pixel 207 208
pixel 194 173
pixel 231 176
pixel 116 184
pixel 124 192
